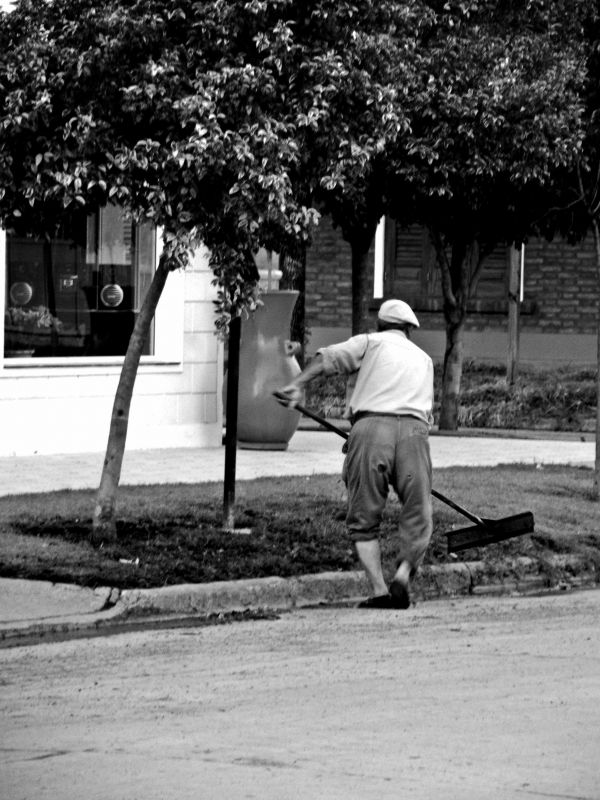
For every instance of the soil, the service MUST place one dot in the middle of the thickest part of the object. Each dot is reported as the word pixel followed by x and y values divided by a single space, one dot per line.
pixel 173 534
pixel 150 554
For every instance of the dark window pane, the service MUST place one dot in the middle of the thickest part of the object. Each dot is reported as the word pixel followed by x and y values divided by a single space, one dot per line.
pixel 78 295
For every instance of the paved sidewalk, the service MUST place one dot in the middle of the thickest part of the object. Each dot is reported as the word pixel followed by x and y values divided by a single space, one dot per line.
pixel 310 452
pixel 38 607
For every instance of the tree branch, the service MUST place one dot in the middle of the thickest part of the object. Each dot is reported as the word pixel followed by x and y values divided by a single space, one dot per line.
pixel 442 259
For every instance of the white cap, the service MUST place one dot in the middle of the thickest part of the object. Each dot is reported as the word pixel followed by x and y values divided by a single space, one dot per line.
pixel 397 311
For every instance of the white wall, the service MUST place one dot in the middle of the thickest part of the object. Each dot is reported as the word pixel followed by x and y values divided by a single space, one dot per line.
pixel 64 405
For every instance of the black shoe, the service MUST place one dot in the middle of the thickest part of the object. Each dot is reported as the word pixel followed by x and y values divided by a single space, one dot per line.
pixel 381 601
pixel 399 593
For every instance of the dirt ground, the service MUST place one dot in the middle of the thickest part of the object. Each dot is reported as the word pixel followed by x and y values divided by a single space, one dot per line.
pixel 473 699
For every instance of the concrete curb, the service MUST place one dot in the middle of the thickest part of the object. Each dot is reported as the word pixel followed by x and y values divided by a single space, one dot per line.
pixel 202 601
pixel 230 596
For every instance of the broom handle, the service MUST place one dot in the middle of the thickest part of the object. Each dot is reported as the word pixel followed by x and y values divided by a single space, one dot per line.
pixel 326 424
pixel 468 514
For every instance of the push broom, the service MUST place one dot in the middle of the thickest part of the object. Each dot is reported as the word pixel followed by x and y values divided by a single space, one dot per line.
pixel 484 531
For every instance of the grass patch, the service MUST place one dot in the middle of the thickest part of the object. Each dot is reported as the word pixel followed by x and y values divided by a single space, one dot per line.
pixel 562 399
pixel 172 534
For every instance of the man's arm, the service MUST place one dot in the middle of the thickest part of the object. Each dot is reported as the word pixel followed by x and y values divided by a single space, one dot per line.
pixel 294 391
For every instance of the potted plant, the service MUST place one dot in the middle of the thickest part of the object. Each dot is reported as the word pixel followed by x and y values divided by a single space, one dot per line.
pixel 27 328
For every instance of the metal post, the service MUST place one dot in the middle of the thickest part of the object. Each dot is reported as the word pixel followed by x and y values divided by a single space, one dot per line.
pixel 233 375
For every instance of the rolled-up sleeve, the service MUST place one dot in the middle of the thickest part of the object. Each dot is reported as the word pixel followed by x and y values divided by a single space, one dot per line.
pixel 346 357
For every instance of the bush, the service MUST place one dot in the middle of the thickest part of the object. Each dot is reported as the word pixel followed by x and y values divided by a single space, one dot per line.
pixel 562 399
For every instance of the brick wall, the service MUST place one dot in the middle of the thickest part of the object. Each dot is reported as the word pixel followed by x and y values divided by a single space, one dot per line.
pixel 560 288
pixel 329 279
pixel 562 281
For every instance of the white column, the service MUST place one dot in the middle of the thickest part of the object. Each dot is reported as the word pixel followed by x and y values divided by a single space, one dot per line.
pixel 379 260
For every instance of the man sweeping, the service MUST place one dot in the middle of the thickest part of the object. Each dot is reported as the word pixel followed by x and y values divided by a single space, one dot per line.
pixel 390 409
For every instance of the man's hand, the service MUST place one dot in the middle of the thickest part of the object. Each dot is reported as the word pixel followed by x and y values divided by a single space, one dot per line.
pixel 293 394
pixel 290 395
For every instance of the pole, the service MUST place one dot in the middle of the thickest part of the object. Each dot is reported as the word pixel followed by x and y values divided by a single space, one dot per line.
pixel 233 375
pixel 389 257
pixel 514 291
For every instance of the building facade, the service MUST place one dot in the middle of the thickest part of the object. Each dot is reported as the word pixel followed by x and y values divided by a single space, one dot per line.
pixel 69 309
pixel 557 296
pixel 70 306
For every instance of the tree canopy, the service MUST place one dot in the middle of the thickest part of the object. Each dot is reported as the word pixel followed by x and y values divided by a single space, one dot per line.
pixel 573 208
pixel 497 115
pixel 235 123
pixel 219 121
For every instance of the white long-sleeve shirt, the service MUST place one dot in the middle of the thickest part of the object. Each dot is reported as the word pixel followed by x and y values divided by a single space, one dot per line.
pixel 392 375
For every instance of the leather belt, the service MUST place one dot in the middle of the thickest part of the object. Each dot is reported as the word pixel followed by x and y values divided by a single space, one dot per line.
pixel 363 414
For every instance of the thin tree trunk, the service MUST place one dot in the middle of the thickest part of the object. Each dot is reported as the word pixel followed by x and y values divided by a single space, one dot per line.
pixel 361 295
pixel 596 480
pixel 104 526
pixel 452 375
pixel 457 274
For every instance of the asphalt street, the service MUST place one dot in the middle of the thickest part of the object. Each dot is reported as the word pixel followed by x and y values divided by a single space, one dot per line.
pixel 468 699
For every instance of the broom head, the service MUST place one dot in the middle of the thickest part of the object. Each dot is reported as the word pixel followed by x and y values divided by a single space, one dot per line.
pixel 492 530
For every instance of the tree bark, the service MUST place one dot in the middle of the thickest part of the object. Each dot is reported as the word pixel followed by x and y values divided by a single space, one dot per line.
pixel 361 283
pixel 596 479
pixel 104 525
pixel 457 276
pixel 452 374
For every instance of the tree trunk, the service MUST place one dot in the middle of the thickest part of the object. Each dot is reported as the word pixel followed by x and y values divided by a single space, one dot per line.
pixel 596 480
pixel 457 276
pixel 452 375
pixel 104 526
pixel 361 283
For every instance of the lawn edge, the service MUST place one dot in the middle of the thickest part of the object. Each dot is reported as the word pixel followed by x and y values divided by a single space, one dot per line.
pixel 519 576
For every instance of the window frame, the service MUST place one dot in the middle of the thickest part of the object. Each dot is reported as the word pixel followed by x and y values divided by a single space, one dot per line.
pixel 168 328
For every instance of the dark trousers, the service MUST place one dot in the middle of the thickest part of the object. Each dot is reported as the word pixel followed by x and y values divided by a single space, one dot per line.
pixel 390 451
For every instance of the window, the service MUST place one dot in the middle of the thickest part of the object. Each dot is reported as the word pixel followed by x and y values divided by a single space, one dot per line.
pixel 412 272
pixel 79 294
